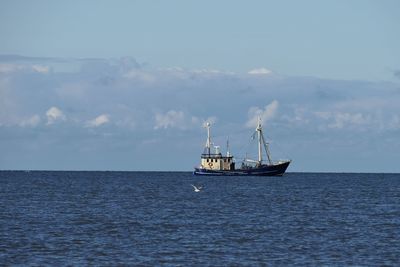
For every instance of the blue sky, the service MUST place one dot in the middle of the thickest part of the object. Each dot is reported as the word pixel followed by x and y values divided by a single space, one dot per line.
pixel 127 85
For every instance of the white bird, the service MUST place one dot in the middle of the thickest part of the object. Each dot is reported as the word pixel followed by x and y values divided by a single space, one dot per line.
pixel 197 188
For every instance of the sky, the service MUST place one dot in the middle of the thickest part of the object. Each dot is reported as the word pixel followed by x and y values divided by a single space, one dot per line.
pixel 128 85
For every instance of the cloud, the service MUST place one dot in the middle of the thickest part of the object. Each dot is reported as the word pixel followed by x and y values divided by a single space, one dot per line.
pixel 140 75
pixel 338 120
pixel 140 99
pixel 54 114
pixel 41 68
pixel 171 119
pixel 298 116
pixel 180 120
pixel 211 72
pixel 265 114
pixel 7 67
pixel 30 122
pixel 260 71
pixel 98 121
pixel 13 67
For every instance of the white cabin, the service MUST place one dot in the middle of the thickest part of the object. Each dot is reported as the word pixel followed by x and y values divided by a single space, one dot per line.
pixel 215 160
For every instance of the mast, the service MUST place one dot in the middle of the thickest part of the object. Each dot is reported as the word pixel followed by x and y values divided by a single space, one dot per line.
pixel 208 143
pixel 259 140
pixel 228 153
pixel 261 143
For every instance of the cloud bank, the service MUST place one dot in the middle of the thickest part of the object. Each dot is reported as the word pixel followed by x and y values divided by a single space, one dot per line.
pixel 120 112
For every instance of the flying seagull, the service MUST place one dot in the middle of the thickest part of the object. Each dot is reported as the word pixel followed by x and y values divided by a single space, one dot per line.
pixel 197 189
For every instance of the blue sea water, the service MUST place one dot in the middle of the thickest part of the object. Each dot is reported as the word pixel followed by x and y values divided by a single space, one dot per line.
pixel 155 218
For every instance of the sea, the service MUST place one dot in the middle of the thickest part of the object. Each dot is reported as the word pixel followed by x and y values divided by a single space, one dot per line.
pixel 73 218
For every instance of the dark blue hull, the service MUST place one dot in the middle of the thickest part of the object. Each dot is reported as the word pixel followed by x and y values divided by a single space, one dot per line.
pixel 263 170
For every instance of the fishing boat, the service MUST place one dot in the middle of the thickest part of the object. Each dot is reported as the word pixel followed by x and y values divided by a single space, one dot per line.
pixel 214 163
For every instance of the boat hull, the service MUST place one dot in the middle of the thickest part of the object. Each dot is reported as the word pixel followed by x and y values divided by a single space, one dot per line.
pixel 277 169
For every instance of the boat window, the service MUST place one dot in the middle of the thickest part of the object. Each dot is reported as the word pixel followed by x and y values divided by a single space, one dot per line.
pixel 207 160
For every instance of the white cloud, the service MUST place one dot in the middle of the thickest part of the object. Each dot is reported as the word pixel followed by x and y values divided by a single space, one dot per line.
pixel 7 67
pixel 341 119
pixel 185 72
pixel 317 110
pixel 54 114
pixel 347 118
pixel 12 67
pixel 171 119
pixel 140 75
pixel 98 121
pixel 299 116
pixel 177 119
pixel 260 71
pixel 211 72
pixel 41 68
pixel 31 122
pixel 265 114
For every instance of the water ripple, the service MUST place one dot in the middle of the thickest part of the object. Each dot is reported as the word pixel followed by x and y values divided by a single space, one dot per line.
pixel 139 218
